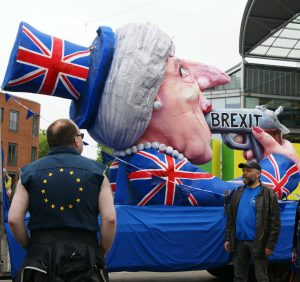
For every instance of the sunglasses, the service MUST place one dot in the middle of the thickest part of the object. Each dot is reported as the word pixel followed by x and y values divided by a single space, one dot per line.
pixel 81 134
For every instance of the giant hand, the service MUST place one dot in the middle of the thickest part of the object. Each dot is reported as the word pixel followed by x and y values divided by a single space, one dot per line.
pixel 270 146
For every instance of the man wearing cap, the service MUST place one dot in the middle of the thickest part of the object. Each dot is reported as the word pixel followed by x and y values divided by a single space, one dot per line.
pixel 253 224
pixel 64 192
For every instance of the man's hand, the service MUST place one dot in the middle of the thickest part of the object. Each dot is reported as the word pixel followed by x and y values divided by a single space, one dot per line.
pixel 8 192
pixel 227 246
pixel 268 252
pixel 270 146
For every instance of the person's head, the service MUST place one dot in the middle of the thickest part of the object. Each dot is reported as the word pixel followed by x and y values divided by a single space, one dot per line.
pixel 64 133
pixel 251 173
pixel 144 70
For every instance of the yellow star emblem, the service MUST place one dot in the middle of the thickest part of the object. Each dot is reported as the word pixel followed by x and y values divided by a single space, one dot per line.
pixel 46 200
pixel 61 170
pixel 52 206
pixel 43 191
pixel 50 174
pixel 80 189
pixel 78 200
pixel 77 180
pixel 71 172
pixel 62 208
pixel 70 206
pixel 45 181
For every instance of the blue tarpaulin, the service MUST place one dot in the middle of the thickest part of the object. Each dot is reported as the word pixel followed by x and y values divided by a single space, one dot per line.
pixel 163 238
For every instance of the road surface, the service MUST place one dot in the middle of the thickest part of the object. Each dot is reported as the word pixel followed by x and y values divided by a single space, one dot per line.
pixel 185 276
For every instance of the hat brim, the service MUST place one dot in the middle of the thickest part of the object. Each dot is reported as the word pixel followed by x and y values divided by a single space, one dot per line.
pixel 83 112
pixel 242 165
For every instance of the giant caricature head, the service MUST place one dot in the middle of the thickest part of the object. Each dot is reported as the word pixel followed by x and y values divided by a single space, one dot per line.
pixel 127 72
pixel 143 71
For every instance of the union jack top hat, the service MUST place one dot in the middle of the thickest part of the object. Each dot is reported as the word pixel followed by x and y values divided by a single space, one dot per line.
pixel 41 63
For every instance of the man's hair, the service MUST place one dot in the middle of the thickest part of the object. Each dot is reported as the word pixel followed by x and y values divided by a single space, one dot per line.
pixel 61 133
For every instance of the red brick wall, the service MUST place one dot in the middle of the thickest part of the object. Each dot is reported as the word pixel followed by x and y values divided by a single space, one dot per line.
pixel 23 137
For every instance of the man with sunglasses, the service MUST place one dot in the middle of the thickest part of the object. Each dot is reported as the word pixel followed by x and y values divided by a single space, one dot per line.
pixel 64 192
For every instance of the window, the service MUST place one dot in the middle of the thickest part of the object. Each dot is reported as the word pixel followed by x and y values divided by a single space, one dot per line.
pixel 233 103
pixel 218 103
pixel 1 114
pixel 280 81
pixel 14 121
pixel 35 126
pixel 12 154
pixel 33 154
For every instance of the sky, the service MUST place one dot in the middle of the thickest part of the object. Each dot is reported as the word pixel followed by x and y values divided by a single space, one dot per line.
pixel 202 30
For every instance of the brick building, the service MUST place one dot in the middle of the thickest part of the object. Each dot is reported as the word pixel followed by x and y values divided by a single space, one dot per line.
pixel 19 136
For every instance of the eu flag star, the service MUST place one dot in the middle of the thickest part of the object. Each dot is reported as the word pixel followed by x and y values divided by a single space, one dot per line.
pixel 61 170
pixel 78 200
pixel 70 206
pixel 45 181
pixel 62 208
pixel 50 174
pixel 52 206
pixel 46 200
pixel 71 172
pixel 43 191
pixel 80 189
pixel 77 180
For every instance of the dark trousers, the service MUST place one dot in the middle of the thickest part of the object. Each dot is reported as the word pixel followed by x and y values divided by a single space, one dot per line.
pixel 243 256
pixel 57 255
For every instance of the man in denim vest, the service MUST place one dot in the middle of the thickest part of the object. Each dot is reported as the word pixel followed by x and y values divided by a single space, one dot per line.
pixel 64 193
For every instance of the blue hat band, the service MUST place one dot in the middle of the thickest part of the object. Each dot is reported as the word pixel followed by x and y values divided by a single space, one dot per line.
pixel 83 111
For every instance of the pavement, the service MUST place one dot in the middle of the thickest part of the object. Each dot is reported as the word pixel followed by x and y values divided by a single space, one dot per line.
pixel 184 276
pixel 143 276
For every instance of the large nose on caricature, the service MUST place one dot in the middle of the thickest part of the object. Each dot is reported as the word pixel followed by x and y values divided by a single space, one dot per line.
pixel 208 76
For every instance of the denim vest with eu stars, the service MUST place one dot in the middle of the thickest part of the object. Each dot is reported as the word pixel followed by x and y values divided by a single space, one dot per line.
pixel 63 190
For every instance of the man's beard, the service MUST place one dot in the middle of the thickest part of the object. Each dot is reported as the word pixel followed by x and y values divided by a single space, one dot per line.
pixel 248 181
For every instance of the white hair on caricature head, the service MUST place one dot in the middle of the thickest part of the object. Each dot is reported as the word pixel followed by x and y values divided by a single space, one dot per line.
pixel 137 71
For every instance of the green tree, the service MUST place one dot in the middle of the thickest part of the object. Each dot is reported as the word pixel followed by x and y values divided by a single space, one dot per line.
pixel 43 144
pixel 101 147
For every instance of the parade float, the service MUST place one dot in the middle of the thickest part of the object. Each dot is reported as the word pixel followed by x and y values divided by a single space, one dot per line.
pixel 132 94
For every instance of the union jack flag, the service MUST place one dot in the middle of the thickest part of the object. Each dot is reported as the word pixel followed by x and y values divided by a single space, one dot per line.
pixel 41 63
pixel 280 175
pixel 154 178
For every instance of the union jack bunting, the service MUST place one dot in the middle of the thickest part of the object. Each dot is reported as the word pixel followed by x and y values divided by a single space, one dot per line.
pixel 113 170
pixel 279 173
pixel 154 178
pixel 41 63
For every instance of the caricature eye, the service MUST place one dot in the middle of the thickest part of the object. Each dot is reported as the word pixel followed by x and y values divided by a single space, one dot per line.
pixel 184 72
